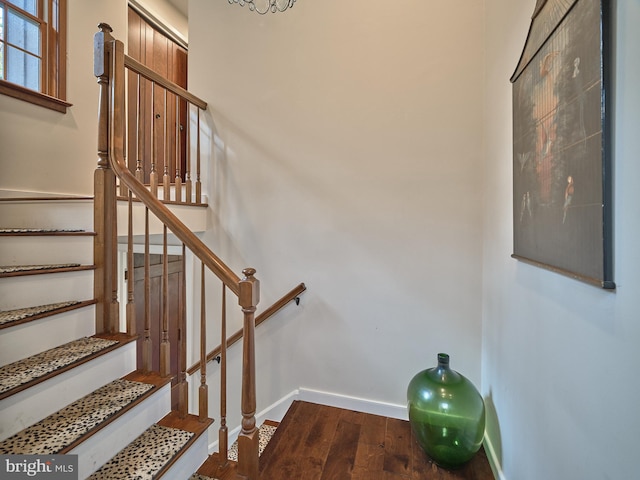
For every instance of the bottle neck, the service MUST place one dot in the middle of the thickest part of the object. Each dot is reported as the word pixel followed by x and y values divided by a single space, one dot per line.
pixel 443 360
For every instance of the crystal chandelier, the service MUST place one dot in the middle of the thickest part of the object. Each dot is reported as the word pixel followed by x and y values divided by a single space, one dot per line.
pixel 263 6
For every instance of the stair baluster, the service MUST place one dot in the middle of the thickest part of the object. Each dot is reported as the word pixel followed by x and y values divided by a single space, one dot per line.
pixel 131 306
pixel 203 392
pixel 165 346
pixel 147 361
pixel 153 176
pixel 166 182
pixel 187 174
pixel 223 434
pixel 178 179
pixel 198 183
pixel 139 132
pixel 183 392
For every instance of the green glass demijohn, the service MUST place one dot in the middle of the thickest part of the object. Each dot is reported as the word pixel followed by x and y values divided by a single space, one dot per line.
pixel 446 413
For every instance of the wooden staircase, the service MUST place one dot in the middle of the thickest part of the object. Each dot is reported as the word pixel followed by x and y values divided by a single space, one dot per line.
pixel 64 389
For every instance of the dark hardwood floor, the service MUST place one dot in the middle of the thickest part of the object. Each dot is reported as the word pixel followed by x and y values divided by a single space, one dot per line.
pixel 317 442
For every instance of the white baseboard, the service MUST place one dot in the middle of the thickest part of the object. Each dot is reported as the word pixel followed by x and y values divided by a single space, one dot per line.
pixel 493 459
pixel 354 403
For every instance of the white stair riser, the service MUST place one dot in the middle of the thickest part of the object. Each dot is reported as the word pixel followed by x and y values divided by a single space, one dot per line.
pixel 76 214
pixel 190 460
pixel 101 447
pixel 33 404
pixel 36 336
pixel 46 250
pixel 43 289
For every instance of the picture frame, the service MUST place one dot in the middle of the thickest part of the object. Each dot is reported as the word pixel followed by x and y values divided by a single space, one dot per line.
pixel 562 182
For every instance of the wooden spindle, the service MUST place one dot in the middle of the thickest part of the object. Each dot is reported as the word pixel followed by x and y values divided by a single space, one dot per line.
pixel 223 434
pixel 165 346
pixel 153 175
pixel 183 387
pixel 166 182
pixel 122 187
pixel 117 149
pixel 248 441
pixel 187 169
pixel 114 320
pixel 203 391
pixel 139 134
pixel 178 179
pixel 147 349
pixel 198 183
pixel 131 305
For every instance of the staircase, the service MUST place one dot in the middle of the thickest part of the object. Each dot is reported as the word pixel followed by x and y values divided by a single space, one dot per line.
pixel 64 389
pixel 72 378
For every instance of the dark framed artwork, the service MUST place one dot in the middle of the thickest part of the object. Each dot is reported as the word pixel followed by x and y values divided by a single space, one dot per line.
pixel 562 185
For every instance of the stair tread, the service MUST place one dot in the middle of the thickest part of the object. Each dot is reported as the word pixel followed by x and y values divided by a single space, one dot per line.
pixel 43 231
pixel 210 469
pixel 197 476
pixel 44 197
pixel 28 268
pixel 18 315
pixel 147 456
pixel 17 270
pixel 62 429
pixel 265 432
pixel 37 366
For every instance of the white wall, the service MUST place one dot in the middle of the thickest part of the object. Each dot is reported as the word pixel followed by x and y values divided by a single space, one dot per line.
pixel 349 147
pixel 560 357
pixel 46 151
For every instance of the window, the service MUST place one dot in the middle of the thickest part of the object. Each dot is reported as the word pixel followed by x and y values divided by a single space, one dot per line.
pixel 33 51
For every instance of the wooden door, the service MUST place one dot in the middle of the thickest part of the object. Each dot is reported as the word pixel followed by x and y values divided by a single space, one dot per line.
pixel 157 129
pixel 175 311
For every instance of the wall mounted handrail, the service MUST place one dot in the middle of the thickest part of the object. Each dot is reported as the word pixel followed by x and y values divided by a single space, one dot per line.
pixel 261 318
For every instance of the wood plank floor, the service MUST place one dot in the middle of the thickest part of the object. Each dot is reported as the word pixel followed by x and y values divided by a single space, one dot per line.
pixel 317 442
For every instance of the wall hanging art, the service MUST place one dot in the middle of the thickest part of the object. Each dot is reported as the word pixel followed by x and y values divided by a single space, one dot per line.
pixel 562 184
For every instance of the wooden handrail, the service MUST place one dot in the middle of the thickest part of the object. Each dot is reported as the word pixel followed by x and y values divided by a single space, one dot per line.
pixel 149 74
pixel 110 69
pixel 235 338
pixel 118 163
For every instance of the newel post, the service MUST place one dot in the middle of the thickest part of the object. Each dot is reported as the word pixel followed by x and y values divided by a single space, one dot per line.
pixel 104 216
pixel 248 439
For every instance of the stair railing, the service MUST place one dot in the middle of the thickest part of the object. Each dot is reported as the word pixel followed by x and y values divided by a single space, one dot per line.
pixel 110 64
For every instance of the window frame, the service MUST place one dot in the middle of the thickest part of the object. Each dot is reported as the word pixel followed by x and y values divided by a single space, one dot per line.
pixel 53 80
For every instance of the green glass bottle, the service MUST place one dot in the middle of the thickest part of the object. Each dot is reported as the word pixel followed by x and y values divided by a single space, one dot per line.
pixel 446 413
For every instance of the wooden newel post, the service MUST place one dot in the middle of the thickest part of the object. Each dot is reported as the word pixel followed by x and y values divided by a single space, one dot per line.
pixel 104 245
pixel 248 299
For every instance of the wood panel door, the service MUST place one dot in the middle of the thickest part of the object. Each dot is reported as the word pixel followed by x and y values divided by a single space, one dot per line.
pixel 156 311
pixel 157 129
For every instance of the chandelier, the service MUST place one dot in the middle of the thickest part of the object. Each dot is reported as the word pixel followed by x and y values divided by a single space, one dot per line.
pixel 263 6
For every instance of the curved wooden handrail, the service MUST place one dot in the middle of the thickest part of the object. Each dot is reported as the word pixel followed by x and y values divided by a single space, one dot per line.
pixel 110 63
pixel 149 74
pixel 118 164
pixel 236 337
